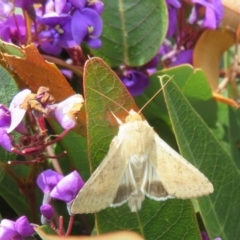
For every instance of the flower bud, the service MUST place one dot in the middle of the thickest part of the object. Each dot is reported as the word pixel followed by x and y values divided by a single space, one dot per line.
pixel 47 180
pixel 7 229
pixel 66 111
pixel 23 227
pixel 47 211
pixel 63 192
pixel 17 113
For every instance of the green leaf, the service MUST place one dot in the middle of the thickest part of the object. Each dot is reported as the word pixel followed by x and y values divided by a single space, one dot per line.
pixel 232 133
pixel 9 190
pixel 11 49
pixel 8 87
pixel 46 229
pixel 172 219
pixel 133 31
pixel 196 89
pixel 199 146
pixel 45 232
pixel 194 86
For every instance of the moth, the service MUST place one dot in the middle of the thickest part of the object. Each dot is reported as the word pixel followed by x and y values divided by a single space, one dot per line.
pixel 138 164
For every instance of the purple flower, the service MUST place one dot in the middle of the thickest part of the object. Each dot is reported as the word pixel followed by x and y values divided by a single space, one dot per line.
pixel 58 34
pixel 66 111
pixel 204 236
pixel 25 4
pixel 17 113
pixel 47 180
pixel 64 6
pixel 7 229
pixel 67 73
pixel 174 3
pixel 48 7
pixel 213 13
pixel 80 4
pixel 16 230
pixel 23 227
pixel 63 192
pixel 135 81
pixel 152 63
pixel 87 26
pixel 5 119
pixel 9 32
pixel 6 8
pixel 47 211
pixel 5 116
pixel 175 56
pixel 5 140
pixel 184 56
pixel 172 16
pixel 165 48
pixel 151 66
pixel 97 6
pixel 172 21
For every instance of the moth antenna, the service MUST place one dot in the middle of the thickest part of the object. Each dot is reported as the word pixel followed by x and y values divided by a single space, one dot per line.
pixel 170 78
pixel 117 119
pixel 110 100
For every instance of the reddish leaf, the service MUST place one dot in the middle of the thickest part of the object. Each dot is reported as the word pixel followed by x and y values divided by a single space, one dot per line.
pixel 32 71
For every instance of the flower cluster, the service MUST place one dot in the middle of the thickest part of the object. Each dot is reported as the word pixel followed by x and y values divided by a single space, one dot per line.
pixel 16 230
pixel 178 46
pixel 40 106
pixel 57 25
pixel 56 186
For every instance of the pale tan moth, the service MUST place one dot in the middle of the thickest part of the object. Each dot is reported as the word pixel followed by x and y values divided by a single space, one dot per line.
pixel 138 164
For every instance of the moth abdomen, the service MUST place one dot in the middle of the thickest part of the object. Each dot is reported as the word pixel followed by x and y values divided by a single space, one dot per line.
pixel 135 201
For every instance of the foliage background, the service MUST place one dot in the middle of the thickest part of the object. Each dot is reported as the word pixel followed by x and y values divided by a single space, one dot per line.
pixel 186 115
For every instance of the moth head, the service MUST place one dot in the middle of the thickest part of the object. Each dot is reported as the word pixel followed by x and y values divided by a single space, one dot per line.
pixel 133 116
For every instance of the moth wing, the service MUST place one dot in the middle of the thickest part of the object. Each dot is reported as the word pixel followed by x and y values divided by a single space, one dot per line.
pixel 180 178
pixel 126 189
pixel 99 191
pixel 152 186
